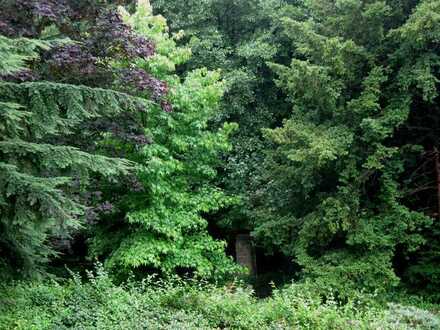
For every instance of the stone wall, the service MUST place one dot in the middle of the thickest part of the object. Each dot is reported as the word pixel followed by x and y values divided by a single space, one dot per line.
pixel 245 253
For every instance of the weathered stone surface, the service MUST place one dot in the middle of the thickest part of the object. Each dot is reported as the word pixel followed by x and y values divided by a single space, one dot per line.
pixel 245 253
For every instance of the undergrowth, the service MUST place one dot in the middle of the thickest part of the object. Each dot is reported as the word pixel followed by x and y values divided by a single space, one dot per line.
pixel 97 303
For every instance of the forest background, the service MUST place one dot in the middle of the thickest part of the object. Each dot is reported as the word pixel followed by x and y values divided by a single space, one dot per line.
pixel 141 147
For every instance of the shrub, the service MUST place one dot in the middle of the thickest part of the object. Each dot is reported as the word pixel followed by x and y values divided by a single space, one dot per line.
pixel 97 303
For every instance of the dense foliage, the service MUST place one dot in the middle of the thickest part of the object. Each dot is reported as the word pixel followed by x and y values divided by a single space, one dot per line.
pixel 148 136
pixel 145 212
pixel 347 168
pixel 152 304
pixel 164 228
pixel 46 153
pixel 343 177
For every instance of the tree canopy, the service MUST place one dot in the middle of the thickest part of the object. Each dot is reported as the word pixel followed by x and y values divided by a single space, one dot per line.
pixel 147 136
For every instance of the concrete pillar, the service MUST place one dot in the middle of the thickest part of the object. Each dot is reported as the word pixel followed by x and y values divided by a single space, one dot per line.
pixel 245 253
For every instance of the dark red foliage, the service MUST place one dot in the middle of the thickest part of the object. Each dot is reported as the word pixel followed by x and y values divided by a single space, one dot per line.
pixel 143 81
pixel 20 76
pixel 99 36
pixel 123 127
pixel 119 39
pixel 93 213
pixel 53 10
pixel 28 17
pixel 166 106
pixel 5 27
pixel 73 58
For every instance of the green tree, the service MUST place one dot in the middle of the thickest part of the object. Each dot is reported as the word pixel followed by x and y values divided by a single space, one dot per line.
pixel 239 37
pixel 38 197
pixel 164 226
pixel 336 183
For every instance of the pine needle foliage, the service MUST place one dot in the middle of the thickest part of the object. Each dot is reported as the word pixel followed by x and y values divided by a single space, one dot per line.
pixel 16 53
pixel 40 124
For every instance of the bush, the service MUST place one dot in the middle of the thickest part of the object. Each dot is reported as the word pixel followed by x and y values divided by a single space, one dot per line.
pixel 412 317
pixel 94 304
pixel 177 304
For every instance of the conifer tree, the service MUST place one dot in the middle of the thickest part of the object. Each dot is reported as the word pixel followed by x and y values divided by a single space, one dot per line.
pixel 336 183
pixel 51 131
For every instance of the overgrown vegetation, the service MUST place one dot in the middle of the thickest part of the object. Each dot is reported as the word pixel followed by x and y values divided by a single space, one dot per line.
pixel 147 136
pixel 178 304
pixel 336 158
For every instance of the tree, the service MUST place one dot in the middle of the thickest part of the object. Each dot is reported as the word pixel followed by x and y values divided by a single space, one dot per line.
pixel 336 182
pixel 52 131
pixel 239 37
pixel 34 206
pixel 162 226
